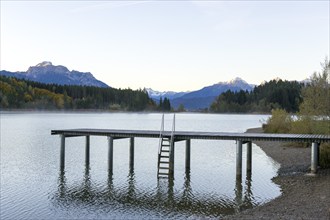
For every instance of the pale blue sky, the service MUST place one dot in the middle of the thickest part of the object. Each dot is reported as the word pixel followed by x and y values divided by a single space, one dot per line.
pixel 168 45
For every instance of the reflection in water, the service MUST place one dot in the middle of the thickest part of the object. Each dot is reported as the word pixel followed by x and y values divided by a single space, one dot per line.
pixel 238 193
pixel 61 184
pixel 164 199
pixel 248 195
pixel 246 201
pixel 187 191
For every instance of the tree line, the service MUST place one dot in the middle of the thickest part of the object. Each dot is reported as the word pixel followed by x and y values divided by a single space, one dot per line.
pixel 24 94
pixel 263 98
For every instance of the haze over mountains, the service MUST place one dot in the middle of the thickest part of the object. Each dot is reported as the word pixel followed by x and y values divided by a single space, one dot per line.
pixel 46 72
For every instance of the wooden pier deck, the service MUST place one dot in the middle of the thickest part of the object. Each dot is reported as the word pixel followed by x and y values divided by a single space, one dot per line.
pixel 186 135
pixel 240 138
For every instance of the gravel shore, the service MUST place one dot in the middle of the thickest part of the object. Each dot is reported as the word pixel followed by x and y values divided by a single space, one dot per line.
pixel 303 196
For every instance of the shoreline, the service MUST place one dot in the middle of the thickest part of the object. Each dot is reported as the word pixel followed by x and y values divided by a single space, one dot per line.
pixel 303 196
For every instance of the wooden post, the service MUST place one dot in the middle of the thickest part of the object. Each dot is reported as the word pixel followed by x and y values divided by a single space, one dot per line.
pixel 131 154
pixel 62 153
pixel 239 158
pixel 318 155
pixel 188 142
pixel 314 157
pixel 87 150
pixel 171 160
pixel 249 157
pixel 110 155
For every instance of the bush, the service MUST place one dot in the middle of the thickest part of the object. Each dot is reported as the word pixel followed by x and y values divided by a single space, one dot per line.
pixel 279 122
pixel 302 126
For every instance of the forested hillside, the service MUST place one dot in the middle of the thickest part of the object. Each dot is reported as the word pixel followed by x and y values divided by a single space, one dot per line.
pixel 263 98
pixel 23 94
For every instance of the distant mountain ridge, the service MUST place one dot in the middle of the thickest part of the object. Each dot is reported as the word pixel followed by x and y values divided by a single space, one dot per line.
pixel 168 94
pixel 46 72
pixel 202 98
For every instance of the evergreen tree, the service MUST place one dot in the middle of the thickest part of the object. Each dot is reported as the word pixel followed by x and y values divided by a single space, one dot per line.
pixel 166 105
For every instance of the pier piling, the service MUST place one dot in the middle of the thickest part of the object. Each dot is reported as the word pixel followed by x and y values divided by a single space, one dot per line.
pixel 249 157
pixel 131 154
pixel 188 143
pixel 171 160
pixel 62 154
pixel 87 150
pixel 239 158
pixel 314 157
pixel 110 155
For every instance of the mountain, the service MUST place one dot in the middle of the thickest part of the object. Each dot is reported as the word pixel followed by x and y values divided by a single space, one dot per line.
pixel 201 99
pixel 156 95
pixel 46 72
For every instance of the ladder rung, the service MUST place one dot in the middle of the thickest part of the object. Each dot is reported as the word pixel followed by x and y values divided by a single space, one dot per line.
pixel 164 157
pixel 165 151
pixel 163 174
pixel 163 177
pixel 164 162
pixel 166 145
pixel 164 168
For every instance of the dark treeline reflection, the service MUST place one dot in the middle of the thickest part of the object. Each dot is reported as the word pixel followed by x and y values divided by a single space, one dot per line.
pixel 164 199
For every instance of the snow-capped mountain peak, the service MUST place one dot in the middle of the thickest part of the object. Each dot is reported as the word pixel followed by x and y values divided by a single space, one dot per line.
pixel 233 81
pixel 168 94
pixel 237 80
pixel 44 63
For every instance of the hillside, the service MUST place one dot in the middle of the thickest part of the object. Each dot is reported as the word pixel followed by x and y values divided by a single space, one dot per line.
pixel 23 94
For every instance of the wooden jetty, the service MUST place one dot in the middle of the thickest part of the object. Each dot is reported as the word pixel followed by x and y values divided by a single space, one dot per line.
pixel 175 136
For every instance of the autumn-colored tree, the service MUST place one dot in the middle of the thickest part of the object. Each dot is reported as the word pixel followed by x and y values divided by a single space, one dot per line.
pixel 316 94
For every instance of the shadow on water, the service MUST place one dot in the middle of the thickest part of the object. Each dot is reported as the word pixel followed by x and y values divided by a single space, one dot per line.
pixel 164 199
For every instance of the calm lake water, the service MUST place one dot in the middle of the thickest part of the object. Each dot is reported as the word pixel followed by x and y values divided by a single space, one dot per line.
pixel 32 186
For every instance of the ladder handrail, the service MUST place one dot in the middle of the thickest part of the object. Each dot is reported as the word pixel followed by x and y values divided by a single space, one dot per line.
pixel 173 127
pixel 172 134
pixel 161 134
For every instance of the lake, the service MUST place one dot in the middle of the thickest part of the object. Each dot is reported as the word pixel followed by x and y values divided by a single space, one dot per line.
pixel 33 187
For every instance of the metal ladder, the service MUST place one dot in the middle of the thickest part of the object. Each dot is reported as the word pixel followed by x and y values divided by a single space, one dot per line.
pixel 165 152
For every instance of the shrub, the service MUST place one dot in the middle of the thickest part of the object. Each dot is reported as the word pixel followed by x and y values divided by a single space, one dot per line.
pixel 302 126
pixel 279 122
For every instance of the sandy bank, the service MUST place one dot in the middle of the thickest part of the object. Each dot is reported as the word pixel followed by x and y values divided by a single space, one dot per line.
pixel 303 196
